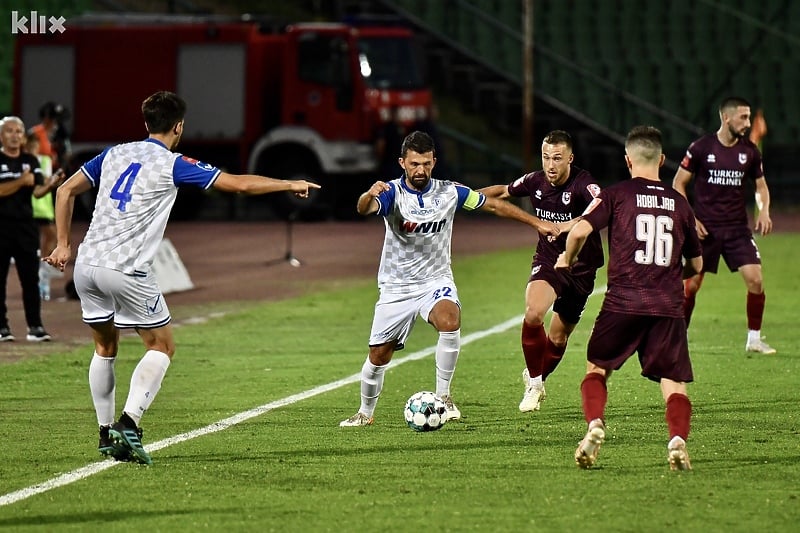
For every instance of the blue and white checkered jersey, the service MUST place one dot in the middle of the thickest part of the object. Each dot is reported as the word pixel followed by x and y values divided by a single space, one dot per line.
pixel 419 227
pixel 137 184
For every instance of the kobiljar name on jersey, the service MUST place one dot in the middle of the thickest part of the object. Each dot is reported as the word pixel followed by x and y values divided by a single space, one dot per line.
pixel 423 227
pixel 655 202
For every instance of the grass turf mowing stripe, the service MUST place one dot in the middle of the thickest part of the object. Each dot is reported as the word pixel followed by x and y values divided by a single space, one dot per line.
pixel 95 468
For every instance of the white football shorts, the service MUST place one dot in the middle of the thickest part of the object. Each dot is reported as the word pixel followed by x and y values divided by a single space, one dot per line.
pixel 131 301
pixel 396 314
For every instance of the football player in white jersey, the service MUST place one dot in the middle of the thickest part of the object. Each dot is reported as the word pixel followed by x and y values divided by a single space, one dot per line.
pixel 136 186
pixel 414 277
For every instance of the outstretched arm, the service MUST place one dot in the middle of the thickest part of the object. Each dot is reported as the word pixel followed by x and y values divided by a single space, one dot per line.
pixel 505 209
pixel 495 191
pixel 567 226
pixel 252 184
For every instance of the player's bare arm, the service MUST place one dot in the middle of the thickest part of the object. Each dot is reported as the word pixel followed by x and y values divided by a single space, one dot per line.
pixel 567 226
pixel 763 220
pixel 368 201
pixel 506 209
pixel 252 184
pixel 575 241
pixel 495 191
pixel 680 183
pixel 65 203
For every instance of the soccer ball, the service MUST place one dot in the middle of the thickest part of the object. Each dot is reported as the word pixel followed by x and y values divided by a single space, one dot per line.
pixel 425 411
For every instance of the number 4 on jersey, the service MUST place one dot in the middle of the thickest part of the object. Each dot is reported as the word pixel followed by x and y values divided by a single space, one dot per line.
pixel 121 191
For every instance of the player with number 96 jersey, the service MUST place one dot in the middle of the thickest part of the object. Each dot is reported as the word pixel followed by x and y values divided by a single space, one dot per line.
pixel 645 277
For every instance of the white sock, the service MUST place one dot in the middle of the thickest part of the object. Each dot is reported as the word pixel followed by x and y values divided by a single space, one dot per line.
pixel 446 356
pixel 145 383
pixel 535 382
pixel 371 386
pixel 102 384
pixel 753 335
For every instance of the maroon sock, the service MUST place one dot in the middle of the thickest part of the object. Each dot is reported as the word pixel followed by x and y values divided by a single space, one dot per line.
pixel 755 310
pixel 594 396
pixel 534 341
pixel 552 356
pixel 678 415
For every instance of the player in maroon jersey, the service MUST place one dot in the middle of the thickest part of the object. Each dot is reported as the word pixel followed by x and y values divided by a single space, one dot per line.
pixel 650 228
pixel 560 192
pixel 721 164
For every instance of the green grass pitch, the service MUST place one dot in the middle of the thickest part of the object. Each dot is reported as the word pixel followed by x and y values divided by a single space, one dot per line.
pixel 291 468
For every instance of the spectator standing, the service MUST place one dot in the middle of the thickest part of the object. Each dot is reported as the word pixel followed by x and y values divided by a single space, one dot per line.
pixel 44 215
pixel 20 180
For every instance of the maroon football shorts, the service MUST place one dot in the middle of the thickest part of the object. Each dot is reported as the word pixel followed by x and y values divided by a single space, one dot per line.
pixel 736 246
pixel 660 342
pixel 572 289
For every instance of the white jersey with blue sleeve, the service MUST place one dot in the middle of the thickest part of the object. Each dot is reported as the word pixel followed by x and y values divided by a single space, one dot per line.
pixel 137 184
pixel 419 228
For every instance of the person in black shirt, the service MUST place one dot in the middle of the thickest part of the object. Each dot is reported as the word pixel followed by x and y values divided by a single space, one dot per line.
pixel 20 178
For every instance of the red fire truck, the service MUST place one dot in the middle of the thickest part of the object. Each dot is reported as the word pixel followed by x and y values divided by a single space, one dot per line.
pixel 304 100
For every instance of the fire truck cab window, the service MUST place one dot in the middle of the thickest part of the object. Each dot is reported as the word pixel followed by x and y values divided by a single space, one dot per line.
pixel 323 59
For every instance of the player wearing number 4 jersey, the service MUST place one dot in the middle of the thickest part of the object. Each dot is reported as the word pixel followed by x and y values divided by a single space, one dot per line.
pixel 136 184
pixel 414 276
pixel 650 227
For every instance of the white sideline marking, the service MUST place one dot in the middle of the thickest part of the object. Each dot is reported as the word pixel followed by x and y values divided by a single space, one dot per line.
pixel 95 468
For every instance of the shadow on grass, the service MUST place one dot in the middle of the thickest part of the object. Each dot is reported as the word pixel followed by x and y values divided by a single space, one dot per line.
pixel 108 518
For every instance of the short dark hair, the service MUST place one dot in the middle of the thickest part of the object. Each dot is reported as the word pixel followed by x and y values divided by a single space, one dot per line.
pixel 53 110
pixel 558 137
pixel 646 141
pixel 419 142
pixel 732 102
pixel 162 110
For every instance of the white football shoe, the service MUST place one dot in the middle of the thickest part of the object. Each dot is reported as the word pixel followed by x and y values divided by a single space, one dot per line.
pixel 759 346
pixel 453 412
pixel 588 448
pixel 357 420
pixel 533 396
pixel 677 455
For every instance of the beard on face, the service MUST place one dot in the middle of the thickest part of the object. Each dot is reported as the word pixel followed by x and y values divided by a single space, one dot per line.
pixel 418 182
pixel 737 134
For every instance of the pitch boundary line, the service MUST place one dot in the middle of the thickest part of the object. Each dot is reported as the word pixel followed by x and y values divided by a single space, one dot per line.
pixel 95 468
